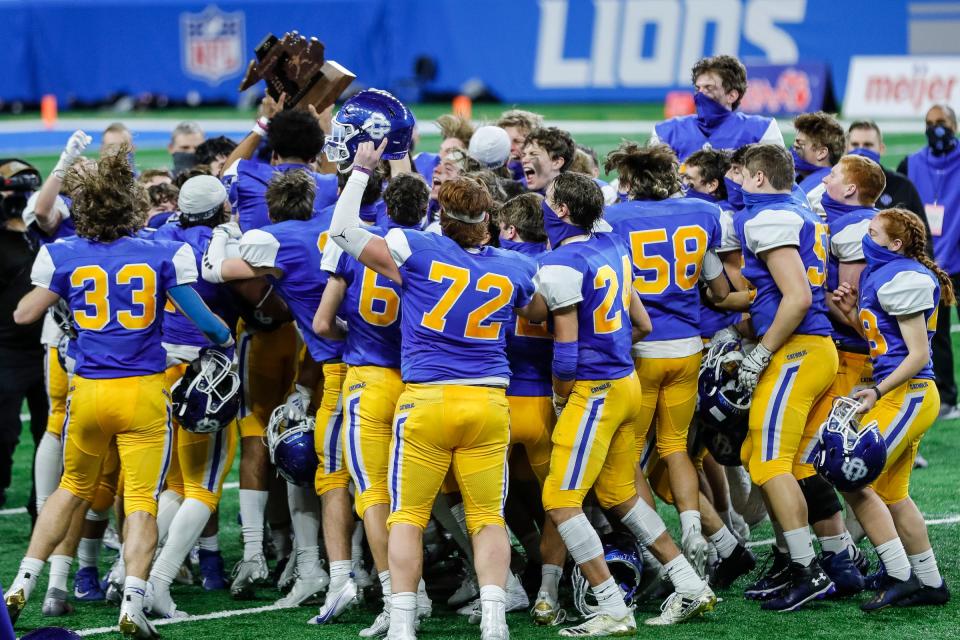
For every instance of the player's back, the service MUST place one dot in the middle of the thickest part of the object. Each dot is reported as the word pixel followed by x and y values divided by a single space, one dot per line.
pixel 247 183
pixel 596 275
pixel 529 344
pixel 668 240
pixel 456 306
pixel 116 291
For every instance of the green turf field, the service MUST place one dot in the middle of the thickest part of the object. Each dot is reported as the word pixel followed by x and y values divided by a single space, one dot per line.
pixel 898 145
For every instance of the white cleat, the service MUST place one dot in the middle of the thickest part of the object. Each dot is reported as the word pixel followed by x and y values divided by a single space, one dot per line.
pixel 55 603
pixel 246 574
pixel 494 630
pixel 380 626
pixel 546 610
pixel 696 549
pixel 360 575
pixel 678 608
pixel 304 588
pixel 134 624
pixel 337 602
pixel 424 605
pixel 466 592
pixel 185 574
pixel 289 574
pixel 115 579
pixel 402 632
pixel 159 603
pixel 602 624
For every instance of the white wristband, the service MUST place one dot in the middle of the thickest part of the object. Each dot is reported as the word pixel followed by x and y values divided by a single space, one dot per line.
pixel 261 126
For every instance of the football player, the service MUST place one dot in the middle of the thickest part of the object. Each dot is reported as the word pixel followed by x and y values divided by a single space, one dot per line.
pixel 794 362
pixel 547 152
pixel 289 250
pixel 585 281
pixel 115 285
pixel 819 145
pixel 370 305
pixel 720 83
pixel 518 124
pixel 673 242
pixel 456 300
pixel 203 460
pixel 897 310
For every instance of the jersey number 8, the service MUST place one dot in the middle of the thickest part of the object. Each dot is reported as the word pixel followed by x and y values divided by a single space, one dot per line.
pixel 689 245
pixel 98 296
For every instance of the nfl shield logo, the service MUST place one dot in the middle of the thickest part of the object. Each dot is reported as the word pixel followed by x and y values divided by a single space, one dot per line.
pixel 212 44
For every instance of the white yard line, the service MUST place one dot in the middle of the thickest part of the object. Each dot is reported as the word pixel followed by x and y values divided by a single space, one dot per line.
pixel 930 523
pixel 216 615
pixel 13 512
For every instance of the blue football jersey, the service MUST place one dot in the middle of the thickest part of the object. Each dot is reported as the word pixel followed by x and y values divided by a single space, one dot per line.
pixel 296 248
pixel 117 291
pixel 711 319
pixel 596 275
pixel 456 306
pixel 177 328
pixel 668 240
pixel 685 135
pixel 896 287
pixel 371 309
pixel 247 183
pixel 846 245
pixel 770 221
pixel 529 344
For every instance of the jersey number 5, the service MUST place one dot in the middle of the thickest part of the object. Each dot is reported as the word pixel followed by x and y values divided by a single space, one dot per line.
pixel 689 245
pixel 459 279
pixel 97 297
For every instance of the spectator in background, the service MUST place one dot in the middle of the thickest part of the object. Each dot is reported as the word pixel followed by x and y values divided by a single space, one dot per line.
pixel 865 139
pixel 819 145
pixel 518 124
pixel 21 354
pixel 214 152
pixel 151 177
pixel 720 82
pixel 935 170
pixel 115 136
pixel 184 140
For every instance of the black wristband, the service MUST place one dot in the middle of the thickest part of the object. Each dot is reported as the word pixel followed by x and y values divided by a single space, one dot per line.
pixel 876 389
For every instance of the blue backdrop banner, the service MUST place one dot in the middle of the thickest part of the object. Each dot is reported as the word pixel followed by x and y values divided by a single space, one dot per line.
pixel 520 50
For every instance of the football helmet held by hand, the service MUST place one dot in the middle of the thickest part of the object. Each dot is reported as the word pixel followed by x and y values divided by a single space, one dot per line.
pixel 849 456
pixel 290 441
pixel 371 115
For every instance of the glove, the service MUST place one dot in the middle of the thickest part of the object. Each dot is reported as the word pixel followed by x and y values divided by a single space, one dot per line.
pixel 76 145
pixel 752 367
pixel 230 229
pixel 298 403
pixel 559 402
pixel 224 237
pixel 725 334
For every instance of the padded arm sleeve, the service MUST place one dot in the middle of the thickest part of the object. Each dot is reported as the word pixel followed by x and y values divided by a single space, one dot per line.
pixel 345 229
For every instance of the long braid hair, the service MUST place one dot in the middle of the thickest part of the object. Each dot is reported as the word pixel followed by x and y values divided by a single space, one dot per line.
pixel 906 226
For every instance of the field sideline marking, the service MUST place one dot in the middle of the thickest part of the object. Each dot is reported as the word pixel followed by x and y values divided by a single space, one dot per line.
pixel 272 607
pixel 204 616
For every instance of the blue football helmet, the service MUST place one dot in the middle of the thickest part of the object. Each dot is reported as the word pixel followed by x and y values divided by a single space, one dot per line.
pixel 724 404
pixel 849 456
pixel 626 567
pixel 290 442
pixel 371 115
pixel 207 398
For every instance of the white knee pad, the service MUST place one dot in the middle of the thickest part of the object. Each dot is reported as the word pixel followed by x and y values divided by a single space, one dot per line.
pixel 581 539
pixel 644 523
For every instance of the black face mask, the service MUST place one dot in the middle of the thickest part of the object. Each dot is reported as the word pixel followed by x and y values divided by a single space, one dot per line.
pixel 941 139
pixel 183 161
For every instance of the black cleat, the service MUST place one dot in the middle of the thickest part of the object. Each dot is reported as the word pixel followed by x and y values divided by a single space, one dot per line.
pixel 843 572
pixel 927 596
pixel 892 591
pixel 776 577
pixel 806 584
pixel 739 563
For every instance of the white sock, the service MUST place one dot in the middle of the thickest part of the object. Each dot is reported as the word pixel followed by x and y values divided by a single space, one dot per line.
pixel 133 591
pixel 385 585
pixel 835 544
pixel 550 575
pixel 493 603
pixel 26 579
pixel 894 559
pixel 47 468
pixel 684 579
pixel 800 544
pixel 190 520
pixel 356 543
pixel 644 523
pixel 167 506
pixel 88 552
pixel 689 522
pixel 253 504
pixel 610 598
pixel 209 543
pixel 340 571
pixel 305 520
pixel 59 572
pixel 724 541
pixel 403 614
pixel 925 568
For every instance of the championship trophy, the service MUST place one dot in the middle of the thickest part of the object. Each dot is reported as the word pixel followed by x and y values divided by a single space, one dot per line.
pixel 295 66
